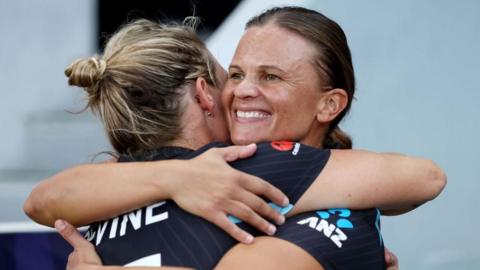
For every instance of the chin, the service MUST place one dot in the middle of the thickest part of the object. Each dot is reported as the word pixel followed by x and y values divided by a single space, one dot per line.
pixel 245 140
pixel 242 141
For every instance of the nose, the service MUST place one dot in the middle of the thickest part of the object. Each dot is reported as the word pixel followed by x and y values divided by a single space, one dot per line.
pixel 246 89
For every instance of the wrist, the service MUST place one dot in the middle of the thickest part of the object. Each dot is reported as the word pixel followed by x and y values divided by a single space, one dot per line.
pixel 165 177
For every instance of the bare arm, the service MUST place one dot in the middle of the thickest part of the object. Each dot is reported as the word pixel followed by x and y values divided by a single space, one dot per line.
pixel 360 179
pixel 205 186
pixel 92 192
pixel 268 253
pixel 271 253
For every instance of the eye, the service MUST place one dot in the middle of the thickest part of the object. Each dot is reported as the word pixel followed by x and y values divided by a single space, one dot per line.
pixel 271 77
pixel 235 76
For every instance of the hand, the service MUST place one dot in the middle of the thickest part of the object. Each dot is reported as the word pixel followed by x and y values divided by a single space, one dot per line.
pixel 214 190
pixel 391 260
pixel 83 256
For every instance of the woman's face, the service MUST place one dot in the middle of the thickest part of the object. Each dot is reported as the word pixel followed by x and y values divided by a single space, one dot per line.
pixel 273 89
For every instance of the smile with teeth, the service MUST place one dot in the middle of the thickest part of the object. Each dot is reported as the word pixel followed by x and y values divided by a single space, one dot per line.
pixel 252 115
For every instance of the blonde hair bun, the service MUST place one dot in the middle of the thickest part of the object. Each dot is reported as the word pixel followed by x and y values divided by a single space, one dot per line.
pixel 85 72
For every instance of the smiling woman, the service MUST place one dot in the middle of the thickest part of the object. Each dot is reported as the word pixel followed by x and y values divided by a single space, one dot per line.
pixel 272 97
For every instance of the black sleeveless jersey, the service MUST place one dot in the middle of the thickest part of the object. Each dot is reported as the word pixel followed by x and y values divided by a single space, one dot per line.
pixel 163 234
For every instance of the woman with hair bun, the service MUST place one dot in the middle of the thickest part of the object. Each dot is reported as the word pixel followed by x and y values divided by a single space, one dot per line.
pixel 159 94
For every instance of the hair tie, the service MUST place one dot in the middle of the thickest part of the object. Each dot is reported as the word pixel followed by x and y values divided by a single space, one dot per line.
pixel 100 65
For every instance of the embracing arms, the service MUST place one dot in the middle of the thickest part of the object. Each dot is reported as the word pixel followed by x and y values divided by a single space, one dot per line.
pixel 208 187
pixel 205 186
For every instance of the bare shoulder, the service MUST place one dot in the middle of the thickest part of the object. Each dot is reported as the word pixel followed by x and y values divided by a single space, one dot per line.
pixel 268 253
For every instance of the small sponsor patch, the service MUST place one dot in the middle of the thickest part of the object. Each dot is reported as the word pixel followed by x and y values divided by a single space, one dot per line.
pixel 283 145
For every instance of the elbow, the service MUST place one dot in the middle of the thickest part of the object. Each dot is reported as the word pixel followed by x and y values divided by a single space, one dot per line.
pixel 31 209
pixel 36 207
pixel 437 180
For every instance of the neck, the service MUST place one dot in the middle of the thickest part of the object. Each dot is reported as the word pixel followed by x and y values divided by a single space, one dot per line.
pixel 195 133
pixel 316 136
pixel 193 144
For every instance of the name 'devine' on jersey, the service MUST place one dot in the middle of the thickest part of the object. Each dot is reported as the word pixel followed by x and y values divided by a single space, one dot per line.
pixel 136 219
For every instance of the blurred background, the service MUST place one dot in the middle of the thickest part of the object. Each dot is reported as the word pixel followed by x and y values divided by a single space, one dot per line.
pixel 417 66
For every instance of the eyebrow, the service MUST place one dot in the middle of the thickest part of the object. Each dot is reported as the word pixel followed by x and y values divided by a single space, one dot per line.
pixel 260 67
pixel 272 67
pixel 233 66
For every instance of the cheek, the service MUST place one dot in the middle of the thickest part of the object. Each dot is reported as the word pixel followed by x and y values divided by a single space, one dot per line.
pixel 226 97
pixel 287 105
pixel 295 115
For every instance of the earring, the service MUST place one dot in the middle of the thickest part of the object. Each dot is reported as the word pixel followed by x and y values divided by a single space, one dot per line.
pixel 209 114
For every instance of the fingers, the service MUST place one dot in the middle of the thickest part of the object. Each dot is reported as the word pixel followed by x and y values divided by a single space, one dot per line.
pixel 235 152
pixel 263 188
pixel 70 234
pixel 233 230
pixel 391 260
pixel 252 183
pixel 261 207
pixel 246 214
pixel 394 265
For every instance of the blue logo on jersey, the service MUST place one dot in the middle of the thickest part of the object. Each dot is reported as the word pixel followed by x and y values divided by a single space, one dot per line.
pixel 333 229
pixel 281 210
pixel 342 222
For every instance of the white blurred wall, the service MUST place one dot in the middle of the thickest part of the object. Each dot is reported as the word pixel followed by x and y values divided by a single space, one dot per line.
pixel 38 40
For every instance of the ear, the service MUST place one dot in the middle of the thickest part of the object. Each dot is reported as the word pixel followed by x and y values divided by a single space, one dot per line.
pixel 332 103
pixel 203 95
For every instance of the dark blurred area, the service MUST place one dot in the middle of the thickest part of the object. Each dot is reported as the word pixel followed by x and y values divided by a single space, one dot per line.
pixel 112 14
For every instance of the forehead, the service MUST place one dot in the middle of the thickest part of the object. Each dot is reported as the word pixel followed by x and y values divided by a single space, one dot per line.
pixel 272 45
